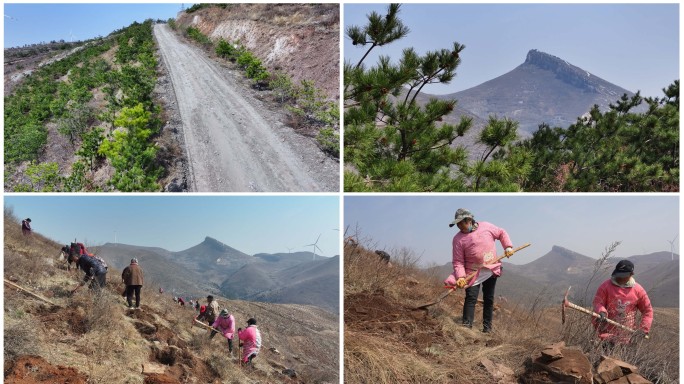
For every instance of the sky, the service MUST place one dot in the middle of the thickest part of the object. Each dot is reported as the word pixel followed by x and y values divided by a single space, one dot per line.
pixel 580 223
pixel 634 46
pixel 34 23
pixel 251 224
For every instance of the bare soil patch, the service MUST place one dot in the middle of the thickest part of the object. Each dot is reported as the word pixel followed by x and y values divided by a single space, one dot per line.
pixel 34 369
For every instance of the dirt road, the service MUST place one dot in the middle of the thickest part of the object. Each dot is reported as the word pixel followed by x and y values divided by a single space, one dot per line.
pixel 233 142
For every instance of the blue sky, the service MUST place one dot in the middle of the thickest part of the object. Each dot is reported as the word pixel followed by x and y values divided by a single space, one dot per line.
pixel 33 23
pixel 635 46
pixel 251 224
pixel 584 224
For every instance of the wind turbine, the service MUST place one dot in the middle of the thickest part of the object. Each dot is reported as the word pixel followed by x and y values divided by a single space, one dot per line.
pixel 71 35
pixel 315 245
pixel 672 246
pixel 289 250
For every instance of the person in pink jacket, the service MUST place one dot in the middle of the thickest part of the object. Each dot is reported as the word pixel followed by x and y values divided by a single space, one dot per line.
pixel 225 324
pixel 250 339
pixel 474 250
pixel 618 299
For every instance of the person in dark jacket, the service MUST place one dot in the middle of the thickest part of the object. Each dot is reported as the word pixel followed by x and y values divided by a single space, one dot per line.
pixel 132 276
pixel 26 226
pixel 95 271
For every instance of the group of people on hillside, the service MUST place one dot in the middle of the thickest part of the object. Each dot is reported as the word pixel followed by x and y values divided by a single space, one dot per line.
pixel 223 322
pixel 474 253
pixel 219 320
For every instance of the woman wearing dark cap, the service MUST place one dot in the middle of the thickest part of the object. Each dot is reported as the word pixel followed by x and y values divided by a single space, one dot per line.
pixel 618 299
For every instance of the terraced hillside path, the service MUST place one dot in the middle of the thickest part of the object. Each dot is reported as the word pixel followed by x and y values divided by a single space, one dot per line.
pixel 234 143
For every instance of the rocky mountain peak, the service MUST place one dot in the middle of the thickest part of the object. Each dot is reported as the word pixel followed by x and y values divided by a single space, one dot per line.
pixel 215 244
pixel 564 252
pixel 564 71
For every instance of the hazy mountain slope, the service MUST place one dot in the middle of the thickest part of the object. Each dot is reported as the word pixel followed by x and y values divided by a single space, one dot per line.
pixel 213 259
pixel 314 283
pixel 543 89
pixel 661 282
pixel 212 267
pixel 247 281
pixel 159 268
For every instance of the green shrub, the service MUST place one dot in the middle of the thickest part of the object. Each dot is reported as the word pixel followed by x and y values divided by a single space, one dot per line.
pixel 198 36
pixel 44 177
pixel 282 86
pixel 224 49
pixel 329 140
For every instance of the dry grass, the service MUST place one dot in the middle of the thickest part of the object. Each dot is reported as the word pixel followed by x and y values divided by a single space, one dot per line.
pixel 386 342
pixel 94 332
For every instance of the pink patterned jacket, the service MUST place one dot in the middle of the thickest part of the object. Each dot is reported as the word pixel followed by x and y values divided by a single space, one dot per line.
pixel 477 249
pixel 621 304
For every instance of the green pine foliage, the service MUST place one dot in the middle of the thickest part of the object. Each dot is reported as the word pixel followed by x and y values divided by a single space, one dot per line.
pixel 198 36
pixel 613 151
pixel 393 144
pixel 130 151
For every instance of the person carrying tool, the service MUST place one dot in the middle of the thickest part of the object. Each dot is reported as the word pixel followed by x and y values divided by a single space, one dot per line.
pixel 95 271
pixel 474 250
pixel 618 299
pixel 26 227
pixel 133 277
pixel 225 324
pixel 250 340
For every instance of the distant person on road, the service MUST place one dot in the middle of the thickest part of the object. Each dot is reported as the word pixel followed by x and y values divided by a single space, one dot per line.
pixel 26 227
pixel 133 277
pixel 474 250
pixel 225 324
pixel 95 270
pixel 618 299
pixel 250 340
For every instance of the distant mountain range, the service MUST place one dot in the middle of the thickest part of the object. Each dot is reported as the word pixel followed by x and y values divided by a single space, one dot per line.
pixel 547 278
pixel 214 267
pixel 543 89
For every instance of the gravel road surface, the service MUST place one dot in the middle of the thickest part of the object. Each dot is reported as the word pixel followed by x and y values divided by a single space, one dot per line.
pixel 234 143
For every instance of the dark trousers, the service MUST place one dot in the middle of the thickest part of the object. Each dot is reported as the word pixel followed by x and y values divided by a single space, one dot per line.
pixel 471 299
pixel 130 290
pixel 98 281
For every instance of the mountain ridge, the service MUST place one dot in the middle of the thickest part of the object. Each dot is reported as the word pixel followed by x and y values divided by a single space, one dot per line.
pixel 543 89
pixel 217 268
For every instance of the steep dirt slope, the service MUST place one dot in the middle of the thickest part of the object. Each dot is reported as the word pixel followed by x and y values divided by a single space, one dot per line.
pixel 387 340
pixel 300 39
pixel 89 337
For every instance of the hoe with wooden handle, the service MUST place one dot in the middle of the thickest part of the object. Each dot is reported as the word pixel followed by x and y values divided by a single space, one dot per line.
pixel 467 278
pixel 37 296
pixel 567 303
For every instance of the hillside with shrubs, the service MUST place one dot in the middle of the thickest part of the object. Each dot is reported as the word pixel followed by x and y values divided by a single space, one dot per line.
pixel 90 121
